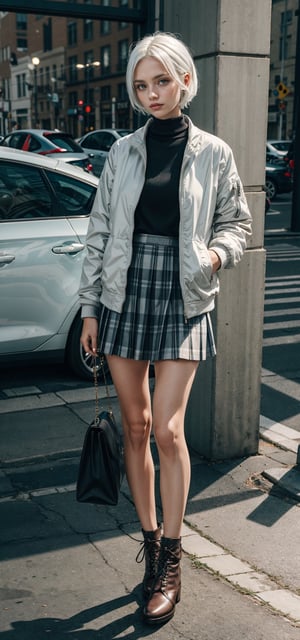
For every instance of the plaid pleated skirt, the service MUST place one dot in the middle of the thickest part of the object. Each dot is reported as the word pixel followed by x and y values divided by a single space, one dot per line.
pixel 152 325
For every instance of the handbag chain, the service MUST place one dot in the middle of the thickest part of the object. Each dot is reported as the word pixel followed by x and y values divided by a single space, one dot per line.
pixel 95 370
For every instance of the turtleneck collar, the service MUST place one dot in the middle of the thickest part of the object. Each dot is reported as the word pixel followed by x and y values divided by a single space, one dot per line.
pixel 169 127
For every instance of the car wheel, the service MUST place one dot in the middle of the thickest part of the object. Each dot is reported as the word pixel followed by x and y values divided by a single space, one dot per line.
pixel 76 359
pixel 271 188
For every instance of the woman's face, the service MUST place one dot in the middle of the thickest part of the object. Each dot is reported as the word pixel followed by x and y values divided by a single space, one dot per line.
pixel 157 92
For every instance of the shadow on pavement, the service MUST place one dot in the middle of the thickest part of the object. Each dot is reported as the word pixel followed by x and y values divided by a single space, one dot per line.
pixel 72 627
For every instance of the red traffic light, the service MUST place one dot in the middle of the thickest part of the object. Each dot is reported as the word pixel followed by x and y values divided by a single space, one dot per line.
pixel 88 108
pixel 80 103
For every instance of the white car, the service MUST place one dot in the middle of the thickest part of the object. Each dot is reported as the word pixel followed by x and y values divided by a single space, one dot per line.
pixel 49 143
pixel 98 143
pixel 44 213
pixel 277 148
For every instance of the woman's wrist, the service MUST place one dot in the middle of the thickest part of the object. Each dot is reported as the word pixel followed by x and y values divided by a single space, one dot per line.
pixel 215 260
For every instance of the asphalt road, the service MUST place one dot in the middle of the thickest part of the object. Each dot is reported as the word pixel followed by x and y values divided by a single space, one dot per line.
pixel 279 214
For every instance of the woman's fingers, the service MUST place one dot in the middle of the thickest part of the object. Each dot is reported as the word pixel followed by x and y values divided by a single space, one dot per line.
pixel 89 335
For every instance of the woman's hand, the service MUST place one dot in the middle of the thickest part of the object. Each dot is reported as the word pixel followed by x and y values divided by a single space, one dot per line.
pixel 89 335
pixel 215 260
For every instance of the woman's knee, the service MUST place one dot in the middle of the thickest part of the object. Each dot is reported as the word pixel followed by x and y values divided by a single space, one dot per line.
pixel 137 430
pixel 167 436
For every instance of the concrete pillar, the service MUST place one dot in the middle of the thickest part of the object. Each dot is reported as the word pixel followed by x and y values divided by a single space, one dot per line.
pixel 230 41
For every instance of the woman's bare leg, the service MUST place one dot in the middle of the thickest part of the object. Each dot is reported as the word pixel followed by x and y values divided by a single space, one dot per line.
pixel 130 378
pixel 173 384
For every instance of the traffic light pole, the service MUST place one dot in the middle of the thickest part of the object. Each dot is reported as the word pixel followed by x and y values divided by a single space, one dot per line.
pixel 295 222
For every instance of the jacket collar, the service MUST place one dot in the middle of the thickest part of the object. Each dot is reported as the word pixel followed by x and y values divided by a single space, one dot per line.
pixel 195 136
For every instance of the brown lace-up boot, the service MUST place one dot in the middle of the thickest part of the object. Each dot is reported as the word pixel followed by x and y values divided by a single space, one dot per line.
pixel 166 590
pixel 150 550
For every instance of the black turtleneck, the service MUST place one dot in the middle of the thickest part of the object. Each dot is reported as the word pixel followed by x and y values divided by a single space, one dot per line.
pixel 157 211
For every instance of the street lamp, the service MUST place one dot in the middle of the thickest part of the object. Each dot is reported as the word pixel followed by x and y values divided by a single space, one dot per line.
pixel 87 67
pixel 35 61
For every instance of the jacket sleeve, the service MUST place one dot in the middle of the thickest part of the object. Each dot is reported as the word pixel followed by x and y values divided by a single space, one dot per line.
pixel 232 218
pixel 97 235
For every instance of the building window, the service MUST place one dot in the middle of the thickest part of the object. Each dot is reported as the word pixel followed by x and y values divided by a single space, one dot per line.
pixel 47 72
pixel 122 91
pixel 73 72
pixel 105 59
pixel 22 44
pixel 62 73
pixel 88 29
pixel 122 54
pixel 104 27
pixel 21 85
pixel 72 33
pixel 105 93
pixel 21 21
pixel 286 18
pixel 123 3
pixel 105 24
pixel 47 35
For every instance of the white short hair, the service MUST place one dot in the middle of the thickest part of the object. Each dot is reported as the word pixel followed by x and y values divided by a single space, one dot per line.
pixel 173 54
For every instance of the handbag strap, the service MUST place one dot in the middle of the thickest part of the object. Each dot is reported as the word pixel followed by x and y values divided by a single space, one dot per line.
pixel 95 371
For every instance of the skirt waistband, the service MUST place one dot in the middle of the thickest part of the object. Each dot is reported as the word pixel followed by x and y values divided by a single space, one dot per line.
pixel 148 238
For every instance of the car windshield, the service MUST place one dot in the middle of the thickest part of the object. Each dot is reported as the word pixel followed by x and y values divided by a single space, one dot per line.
pixel 281 146
pixel 64 141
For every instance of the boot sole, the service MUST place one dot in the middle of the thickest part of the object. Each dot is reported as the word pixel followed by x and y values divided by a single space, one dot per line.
pixel 165 618
pixel 161 620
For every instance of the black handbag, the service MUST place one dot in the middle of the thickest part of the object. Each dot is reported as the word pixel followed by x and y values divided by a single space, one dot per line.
pixel 101 463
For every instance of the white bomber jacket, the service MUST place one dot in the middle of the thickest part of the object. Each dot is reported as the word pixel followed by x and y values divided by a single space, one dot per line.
pixel 213 215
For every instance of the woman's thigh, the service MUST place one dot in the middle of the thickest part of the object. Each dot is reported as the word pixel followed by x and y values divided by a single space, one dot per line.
pixel 173 383
pixel 131 381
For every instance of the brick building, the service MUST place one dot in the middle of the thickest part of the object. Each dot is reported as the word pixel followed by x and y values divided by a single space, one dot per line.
pixel 79 78
pixel 78 81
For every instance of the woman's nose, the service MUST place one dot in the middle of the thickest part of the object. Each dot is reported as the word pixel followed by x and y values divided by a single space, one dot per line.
pixel 152 93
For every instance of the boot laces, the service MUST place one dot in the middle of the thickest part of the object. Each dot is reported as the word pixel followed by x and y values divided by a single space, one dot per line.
pixel 150 546
pixel 163 568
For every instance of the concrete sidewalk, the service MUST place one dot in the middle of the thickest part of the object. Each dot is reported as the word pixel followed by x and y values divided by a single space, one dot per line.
pixel 69 569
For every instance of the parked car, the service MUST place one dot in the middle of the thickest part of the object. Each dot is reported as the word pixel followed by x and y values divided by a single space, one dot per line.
pixel 98 143
pixel 44 213
pixel 277 148
pixel 49 143
pixel 279 179
pixel 290 156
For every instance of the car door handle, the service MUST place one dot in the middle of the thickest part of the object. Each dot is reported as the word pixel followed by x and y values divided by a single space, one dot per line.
pixel 71 248
pixel 6 259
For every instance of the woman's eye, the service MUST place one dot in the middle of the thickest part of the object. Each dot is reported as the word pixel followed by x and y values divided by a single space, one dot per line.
pixel 140 87
pixel 163 81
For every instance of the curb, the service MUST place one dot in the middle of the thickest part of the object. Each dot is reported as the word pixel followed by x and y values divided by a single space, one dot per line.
pixel 240 574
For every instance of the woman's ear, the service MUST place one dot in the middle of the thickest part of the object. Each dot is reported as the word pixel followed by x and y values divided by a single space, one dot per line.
pixel 187 78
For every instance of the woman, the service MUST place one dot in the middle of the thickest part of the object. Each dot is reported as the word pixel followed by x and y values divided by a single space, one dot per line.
pixel 168 214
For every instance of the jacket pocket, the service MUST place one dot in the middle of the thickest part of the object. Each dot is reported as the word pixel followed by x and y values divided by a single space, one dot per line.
pixel 198 273
pixel 114 268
